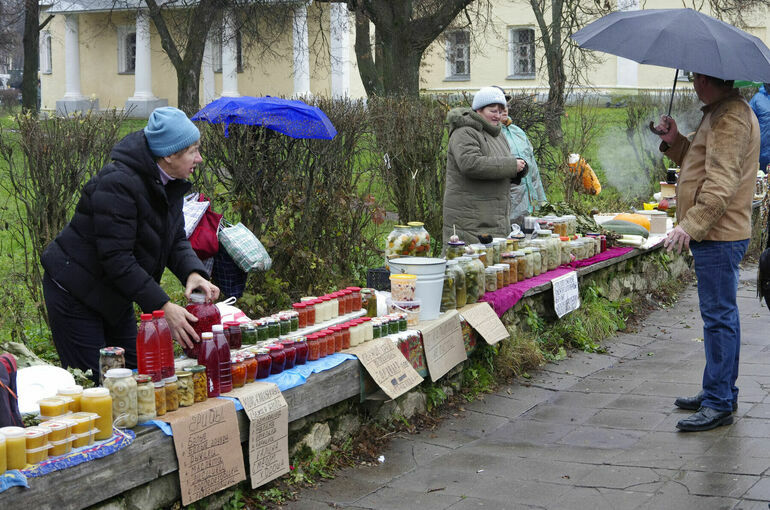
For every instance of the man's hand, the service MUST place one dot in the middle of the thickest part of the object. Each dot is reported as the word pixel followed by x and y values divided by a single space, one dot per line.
pixel 520 164
pixel 677 240
pixel 668 129
pixel 196 282
pixel 180 322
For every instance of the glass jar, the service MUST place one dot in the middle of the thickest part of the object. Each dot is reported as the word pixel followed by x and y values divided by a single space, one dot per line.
pixel 250 360
pixel 294 317
pixel 291 353
pixel 122 386
pixel 376 325
pixel 571 224
pixel 529 263
pixel 110 357
pixel 200 392
pixel 455 249
pixel 490 278
pixel 500 276
pixel 482 251
pixel 300 344
pixel 301 310
pixel 186 388
pixel 263 332
pixel 575 248
pixel 278 358
pixel 369 302
pixel 521 260
pixel 172 393
pixel 284 324
pixel 513 267
pixel 355 298
pixel 249 334
pixel 273 328
pixel 345 330
pixel 207 314
pixel 505 270
pixel 499 245
pixel 420 238
pixel 546 252
pixel 264 363
pixel 338 337
pixel 448 297
pixel 398 243
pixel 234 338
pixel 145 398
pixel 479 265
pixel 160 398
pixel 564 250
pixel 537 260
pixel 313 347
pixel 461 289
pixel 98 400
pixel 238 371
pixel 470 271
pixel 393 325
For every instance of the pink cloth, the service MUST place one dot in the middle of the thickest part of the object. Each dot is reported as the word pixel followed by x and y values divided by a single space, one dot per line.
pixel 504 299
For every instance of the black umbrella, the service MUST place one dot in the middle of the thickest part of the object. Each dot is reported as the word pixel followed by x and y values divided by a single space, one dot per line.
pixel 682 39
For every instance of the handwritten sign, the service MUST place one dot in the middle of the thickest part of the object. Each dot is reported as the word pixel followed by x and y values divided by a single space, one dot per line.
pixel 208 448
pixel 566 294
pixel 268 431
pixel 485 321
pixel 443 342
pixel 388 367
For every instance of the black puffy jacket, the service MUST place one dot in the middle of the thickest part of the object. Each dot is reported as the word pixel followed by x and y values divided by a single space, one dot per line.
pixel 126 229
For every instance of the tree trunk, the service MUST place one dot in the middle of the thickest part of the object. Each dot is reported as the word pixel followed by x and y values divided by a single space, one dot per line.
pixel 400 67
pixel 188 97
pixel 366 67
pixel 30 42
pixel 556 86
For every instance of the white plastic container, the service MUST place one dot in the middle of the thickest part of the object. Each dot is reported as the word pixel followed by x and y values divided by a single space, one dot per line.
pixel 430 281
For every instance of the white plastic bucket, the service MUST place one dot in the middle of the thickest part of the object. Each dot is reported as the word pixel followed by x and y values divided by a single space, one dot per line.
pixel 430 281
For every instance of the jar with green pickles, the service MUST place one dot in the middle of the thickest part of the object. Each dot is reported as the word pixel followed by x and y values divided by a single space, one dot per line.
pixel 369 302
pixel 461 294
pixel 490 278
pixel 482 251
pixel 537 261
pixel 455 249
pixel 479 265
pixel 529 263
pixel 448 297
pixel 471 279
pixel 263 331
pixel 499 245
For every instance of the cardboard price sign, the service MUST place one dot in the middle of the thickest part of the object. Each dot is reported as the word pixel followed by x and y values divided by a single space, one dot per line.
pixel 208 447
pixel 268 431
pixel 388 367
pixel 485 321
pixel 566 294
pixel 443 342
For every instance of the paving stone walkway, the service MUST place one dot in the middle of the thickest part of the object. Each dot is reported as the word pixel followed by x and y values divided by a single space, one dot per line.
pixel 595 431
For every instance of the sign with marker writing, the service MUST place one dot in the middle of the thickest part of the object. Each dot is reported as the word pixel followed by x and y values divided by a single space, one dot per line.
pixel 482 318
pixel 268 430
pixel 443 342
pixel 388 367
pixel 566 294
pixel 208 448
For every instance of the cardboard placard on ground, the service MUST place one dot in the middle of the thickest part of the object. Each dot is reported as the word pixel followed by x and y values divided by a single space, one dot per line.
pixel 443 342
pixel 268 430
pixel 388 367
pixel 566 294
pixel 482 318
pixel 208 448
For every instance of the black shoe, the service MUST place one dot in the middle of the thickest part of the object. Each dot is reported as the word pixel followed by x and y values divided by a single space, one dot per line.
pixel 705 419
pixel 693 403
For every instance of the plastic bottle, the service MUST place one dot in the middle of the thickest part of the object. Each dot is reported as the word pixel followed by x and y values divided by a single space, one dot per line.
pixel 166 343
pixel 223 348
pixel 207 314
pixel 148 348
pixel 208 356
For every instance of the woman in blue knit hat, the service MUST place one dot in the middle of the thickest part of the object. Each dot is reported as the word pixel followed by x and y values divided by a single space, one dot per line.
pixel 127 228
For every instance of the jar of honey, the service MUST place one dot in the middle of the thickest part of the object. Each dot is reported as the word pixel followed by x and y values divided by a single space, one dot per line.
pixel 82 428
pixel 37 455
pixel 186 390
pixel 58 430
pixel 36 437
pixel 145 398
pixel 53 406
pixel 160 398
pixel 98 400
pixel 199 382
pixel 60 447
pixel 122 386
pixel 15 447
pixel 172 393
pixel 75 393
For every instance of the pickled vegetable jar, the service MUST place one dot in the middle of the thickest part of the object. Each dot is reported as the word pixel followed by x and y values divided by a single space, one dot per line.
pixel 420 238
pixel 461 289
pixel 98 400
pixel 186 388
pixel 455 249
pixel 238 371
pixel 490 278
pixel 470 271
pixel 111 357
pixel 537 261
pixel 160 398
pixel 172 393
pixel 402 287
pixel 513 266
pixel 369 302
pixel 122 386
pixel 145 397
pixel 199 382
pixel 448 297
pixel 399 243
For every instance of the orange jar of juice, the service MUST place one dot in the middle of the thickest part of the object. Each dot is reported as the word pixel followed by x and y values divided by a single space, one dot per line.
pixel 52 407
pixel 15 447
pixel 75 393
pixel 36 437
pixel 98 400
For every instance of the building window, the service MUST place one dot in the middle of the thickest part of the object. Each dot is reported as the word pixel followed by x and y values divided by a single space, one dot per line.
pixel 458 55
pixel 45 52
pixel 126 49
pixel 216 52
pixel 522 53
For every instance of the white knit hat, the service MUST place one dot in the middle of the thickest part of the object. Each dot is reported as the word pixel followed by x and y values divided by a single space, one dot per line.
pixel 486 96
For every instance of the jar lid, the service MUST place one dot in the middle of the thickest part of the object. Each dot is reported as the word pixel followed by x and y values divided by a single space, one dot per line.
pixel 519 253
pixel 245 355
pixel 354 289
pixel 207 335
pixel 287 341
pixel 96 392
pixel 113 351
pixel 160 384
pixel 415 224
pixel 70 390
pixel 336 328
pixel 236 359
pixel 198 298
pixel 298 306
pixel 325 298
pixel 300 339
pixel 473 255
pixel 217 328
pixel 118 372
pixel 12 431
pixel 182 374
pixel 463 259
pixel 231 323
pixel 403 276
pixel 33 432
pixel 274 348
pixel 170 379
pixel 490 269
pixel 544 232
pixel 534 249
pixel 143 378
pixel 451 262
pixel 400 226
pixel 456 243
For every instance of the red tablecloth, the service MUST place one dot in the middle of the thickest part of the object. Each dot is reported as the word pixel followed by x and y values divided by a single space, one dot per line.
pixel 504 299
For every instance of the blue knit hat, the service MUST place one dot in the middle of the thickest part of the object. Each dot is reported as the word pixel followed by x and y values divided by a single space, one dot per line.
pixel 169 131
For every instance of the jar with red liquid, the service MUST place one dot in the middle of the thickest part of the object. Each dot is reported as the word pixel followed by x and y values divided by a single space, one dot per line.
pixel 148 355
pixel 356 297
pixel 345 330
pixel 264 363
pixel 314 347
pixel 166 343
pixel 235 337
pixel 278 358
pixel 238 371
pixel 291 353
pixel 207 314
pixel 301 310
pixel 251 367
pixel 300 344
pixel 225 375
pixel 208 356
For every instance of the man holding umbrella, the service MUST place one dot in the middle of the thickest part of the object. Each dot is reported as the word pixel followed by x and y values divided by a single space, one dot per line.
pixel 716 186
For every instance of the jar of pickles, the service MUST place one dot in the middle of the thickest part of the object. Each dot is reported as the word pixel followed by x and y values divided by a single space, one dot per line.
pixel 471 273
pixel 529 263
pixel 513 266
pixel 111 357
pixel 250 360
pixel 369 302
pixel 505 270
pixel 398 243
pixel 490 278
pixel 461 296
pixel 122 387
pixel 420 238
pixel 145 398
pixel 455 249
pixel 521 260
pixel 500 276
pixel 482 251
pixel 479 265
pixel 200 392
pixel 249 334
pixel 160 397
pixel 238 371
pixel 448 296
pixel 172 393
pixel 499 245
pixel 537 260
pixel 186 388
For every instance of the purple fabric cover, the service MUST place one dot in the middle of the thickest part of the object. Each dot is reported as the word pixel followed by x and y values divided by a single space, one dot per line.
pixel 504 299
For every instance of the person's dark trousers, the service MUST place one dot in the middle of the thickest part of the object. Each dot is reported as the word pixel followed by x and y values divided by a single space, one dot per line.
pixel 79 332
pixel 716 267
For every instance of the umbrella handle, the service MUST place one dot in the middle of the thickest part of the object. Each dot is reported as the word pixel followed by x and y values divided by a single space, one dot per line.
pixel 673 89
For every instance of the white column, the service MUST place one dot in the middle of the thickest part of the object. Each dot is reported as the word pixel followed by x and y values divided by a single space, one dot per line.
pixel 209 89
pixel 301 52
pixel 627 70
pixel 340 50
pixel 73 99
pixel 229 58
pixel 143 102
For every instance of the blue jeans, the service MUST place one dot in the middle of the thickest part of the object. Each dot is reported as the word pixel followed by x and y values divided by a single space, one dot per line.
pixel 716 266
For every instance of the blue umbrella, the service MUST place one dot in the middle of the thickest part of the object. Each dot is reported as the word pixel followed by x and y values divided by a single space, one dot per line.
pixel 290 117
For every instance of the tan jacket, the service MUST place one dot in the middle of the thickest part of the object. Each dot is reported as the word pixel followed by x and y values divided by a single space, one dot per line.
pixel 718 172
